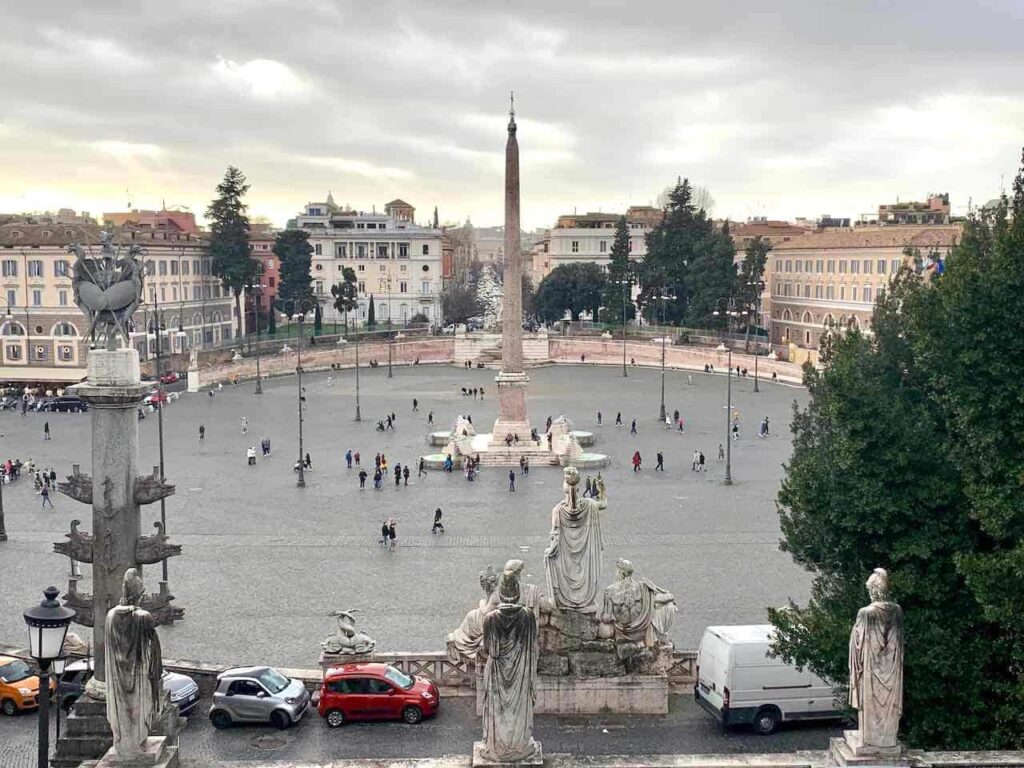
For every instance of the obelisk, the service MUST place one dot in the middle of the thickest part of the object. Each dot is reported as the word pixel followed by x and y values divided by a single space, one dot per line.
pixel 512 380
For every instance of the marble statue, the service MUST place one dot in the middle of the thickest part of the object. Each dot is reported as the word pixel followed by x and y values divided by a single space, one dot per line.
pixel 347 640
pixel 134 669
pixel 876 667
pixel 510 674
pixel 640 612
pixel 107 288
pixel 572 560
pixel 465 641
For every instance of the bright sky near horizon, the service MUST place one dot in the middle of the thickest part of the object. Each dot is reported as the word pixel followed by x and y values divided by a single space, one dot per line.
pixel 780 109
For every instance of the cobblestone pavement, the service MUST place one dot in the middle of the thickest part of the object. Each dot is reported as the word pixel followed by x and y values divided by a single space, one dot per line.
pixel 685 730
pixel 264 562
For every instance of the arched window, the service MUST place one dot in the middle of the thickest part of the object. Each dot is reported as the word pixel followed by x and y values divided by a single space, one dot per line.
pixel 807 290
pixel 63 329
pixel 787 315
pixel 197 319
pixel 829 320
pixel 216 317
pixel 808 317
pixel 12 328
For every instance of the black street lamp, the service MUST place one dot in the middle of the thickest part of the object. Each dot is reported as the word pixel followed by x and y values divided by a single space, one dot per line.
pixel 664 298
pixel 625 283
pixel 47 626
pixel 258 302
pixel 303 306
pixel 358 415
pixel 728 311
pixel 58 672
pixel 758 286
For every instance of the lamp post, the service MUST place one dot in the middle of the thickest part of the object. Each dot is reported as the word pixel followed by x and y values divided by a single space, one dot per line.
pixel 47 626
pixel 258 288
pixel 358 415
pixel 58 672
pixel 728 311
pixel 664 297
pixel 758 286
pixel 389 325
pixel 625 292
pixel 3 530
pixel 300 317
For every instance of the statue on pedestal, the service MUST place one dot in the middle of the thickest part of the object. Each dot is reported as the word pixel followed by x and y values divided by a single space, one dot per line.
pixel 876 668
pixel 108 288
pixel 572 560
pixel 639 612
pixel 347 640
pixel 510 674
pixel 134 670
pixel 465 641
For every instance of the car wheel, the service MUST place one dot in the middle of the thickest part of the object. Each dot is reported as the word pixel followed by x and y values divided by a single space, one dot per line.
pixel 8 707
pixel 412 715
pixel 766 721
pixel 220 719
pixel 280 720
pixel 335 718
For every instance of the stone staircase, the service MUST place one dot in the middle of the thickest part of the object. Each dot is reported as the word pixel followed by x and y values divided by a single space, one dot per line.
pixel 509 457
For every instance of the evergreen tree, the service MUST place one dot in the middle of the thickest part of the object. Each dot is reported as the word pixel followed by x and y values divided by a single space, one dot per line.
pixel 271 322
pixel 617 296
pixel 295 254
pixel 346 293
pixel 371 315
pixel 574 288
pixel 229 238
pixel 751 274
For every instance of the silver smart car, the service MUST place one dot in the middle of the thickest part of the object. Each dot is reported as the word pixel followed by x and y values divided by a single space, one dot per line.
pixel 257 695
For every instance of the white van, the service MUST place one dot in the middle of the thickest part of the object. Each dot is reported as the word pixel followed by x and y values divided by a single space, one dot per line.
pixel 740 684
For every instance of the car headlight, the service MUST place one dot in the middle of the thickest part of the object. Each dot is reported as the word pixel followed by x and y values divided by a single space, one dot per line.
pixel 291 700
pixel 25 691
pixel 427 695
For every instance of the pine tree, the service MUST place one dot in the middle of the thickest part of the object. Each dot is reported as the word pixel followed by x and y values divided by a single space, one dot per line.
pixel 346 293
pixel 371 314
pixel 229 238
pixel 621 270
pixel 295 290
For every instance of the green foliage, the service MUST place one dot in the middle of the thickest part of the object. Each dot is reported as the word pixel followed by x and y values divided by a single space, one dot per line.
pixel 910 456
pixel 617 298
pixel 687 258
pixel 272 322
pixel 346 293
pixel 295 291
pixel 749 282
pixel 529 298
pixel 576 287
pixel 459 300
pixel 371 314
pixel 229 238
pixel 419 317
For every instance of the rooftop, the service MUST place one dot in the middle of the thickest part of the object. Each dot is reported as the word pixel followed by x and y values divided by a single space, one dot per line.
pixel 932 236
pixel 28 235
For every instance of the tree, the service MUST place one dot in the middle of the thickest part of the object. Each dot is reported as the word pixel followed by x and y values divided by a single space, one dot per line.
pixel 419 317
pixel 346 293
pixel 701 196
pixel 459 300
pixel 229 238
pixel 371 315
pixel 617 298
pixel 488 296
pixel 529 298
pixel 575 287
pixel 909 456
pixel 751 274
pixel 271 322
pixel 295 254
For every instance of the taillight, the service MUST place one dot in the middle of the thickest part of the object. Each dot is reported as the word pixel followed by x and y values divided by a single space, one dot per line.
pixel 725 698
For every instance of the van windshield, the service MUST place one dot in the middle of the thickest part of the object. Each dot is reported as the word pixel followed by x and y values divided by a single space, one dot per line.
pixel 15 671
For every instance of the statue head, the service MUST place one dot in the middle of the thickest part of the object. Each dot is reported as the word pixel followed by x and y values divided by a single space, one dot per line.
pixel 488 581
pixel 878 585
pixel 571 478
pixel 624 568
pixel 508 587
pixel 132 589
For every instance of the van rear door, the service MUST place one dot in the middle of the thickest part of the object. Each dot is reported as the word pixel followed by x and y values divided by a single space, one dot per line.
pixel 712 666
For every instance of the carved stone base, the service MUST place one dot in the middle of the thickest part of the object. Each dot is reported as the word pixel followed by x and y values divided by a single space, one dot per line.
pixel 328 660
pixel 156 753
pixel 479 761
pixel 848 750
pixel 85 735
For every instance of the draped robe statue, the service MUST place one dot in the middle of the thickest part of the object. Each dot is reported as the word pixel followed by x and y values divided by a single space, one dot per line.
pixel 572 560
pixel 134 669
pixel 876 666
pixel 639 610
pixel 510 674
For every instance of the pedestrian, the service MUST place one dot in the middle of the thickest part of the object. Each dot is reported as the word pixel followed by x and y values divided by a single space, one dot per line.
pixel 45 493
pixel 250 454
pixel 599 418
pixel 735 431
pixel 378 479
pixel 308 462
pixel 245 425
pixel 481 393
pixel 376 460
pixel 675 415
pixel 511 480
pixel 348 459
pixel 362 479
pixel 390 423
pixel 701 463
pixel 392 537
pixel 202 432
pixel 448 463
pixel 661 461
pixel 618 419
pixel 384 537
pixel 689 379
pixel 679 425
pixel 437 522
pixel 398 474
pixel 421 467
pixel 775 376
pixel 405 474
pixel 721 452
pixel 696 459
pixel 46 431
pixel 587 490
pixel 430 419
pixel 668 422
pixel 356 457
pixel 53 478
pixel 632 427
pixel 415 405
pixel 526 466
pixel 636 461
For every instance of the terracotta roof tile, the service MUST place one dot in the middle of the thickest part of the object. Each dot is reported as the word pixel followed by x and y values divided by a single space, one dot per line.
pixel 938 236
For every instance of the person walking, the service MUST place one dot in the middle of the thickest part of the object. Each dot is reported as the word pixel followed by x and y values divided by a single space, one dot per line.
pixel 599 418
pixel 618 419
pixel 356 457
pixel 46 431
pixel 421 468
pixel 632 427
pixel 721 452
pixel 245 424
pixel 661 461
pixel 700 463
pixel 430 419
pixel 384 534
pixel 437 522
pixel 45 493
pixel 362 479
pixel 735 431
pixel 696 460
pixel 250 454
pixel 636 461
pixel 378 479
pixel 522 465
pixel 405 474
pixel 511 481
pixel 392 536
pixel 348 459
pixel 526 466
pixel 415 405
pixel 398 474
pixel 202 432
pixel 587 488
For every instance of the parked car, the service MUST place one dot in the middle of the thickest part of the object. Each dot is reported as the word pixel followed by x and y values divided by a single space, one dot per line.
pixel 257 695
pixel 19 686
pixel 740 684
pixel 375 691
pixel 182 690
pixel 68 403
pixel 169 378
pixel 156 397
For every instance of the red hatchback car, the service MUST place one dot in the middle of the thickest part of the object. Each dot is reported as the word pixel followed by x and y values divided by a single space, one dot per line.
pixel 375 692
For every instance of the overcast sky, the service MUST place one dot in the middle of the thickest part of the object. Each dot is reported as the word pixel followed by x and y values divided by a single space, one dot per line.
pixel 780 108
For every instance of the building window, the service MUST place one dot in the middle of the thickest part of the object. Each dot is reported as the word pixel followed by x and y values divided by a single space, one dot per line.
pixel 174 267
pixel 842 293
pixel 12 298
pixel 867 266
pixel 797 266
pixel 831 266
pixel 895 266
pixel 575 246
pixel 789 265
pixel 65 352
pixel 361 251
pixel 867 294
pixel 807 265
pixel 35 268
pixel 403 250
pixel 62 298
pixel 10 268
pixel 184 267
pixel 342 250
pixel 381 267
pixel 853 293
pixel 320 287
pixel 817 291
pixel 881 266
pixel 602 246
pixel 819 266
pixel 807 290
pixel 403 287
pixel 425 286
pixel 842 266
pixel 426 249
pixel 830 292
pixel 195 292
pixel 163 293
pixel 361 286
pixel 854 267
pixel 163 267
pixel 39 353
pixel 14 352
pixel 271 282
pixel 318 249
pixel 360 267
pixel 37 297
pixel 60 268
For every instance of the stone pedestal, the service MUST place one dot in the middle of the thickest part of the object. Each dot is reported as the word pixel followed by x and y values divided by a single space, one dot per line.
pixel 512 419
pixel 479 761
pixel 328 660
pixel 849 750
pixel 193 380
pixel 156 753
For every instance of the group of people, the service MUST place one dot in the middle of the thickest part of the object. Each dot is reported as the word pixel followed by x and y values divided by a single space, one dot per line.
pixel 46 481
pixel 250 452
pixel 473 391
